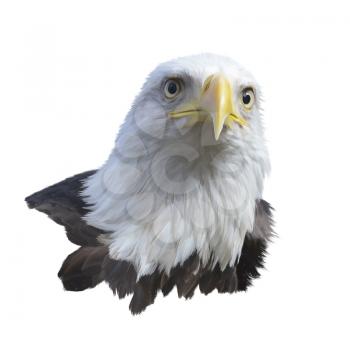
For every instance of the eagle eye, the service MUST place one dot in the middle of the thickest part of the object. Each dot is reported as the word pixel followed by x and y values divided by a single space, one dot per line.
pixel 172 88
pixel 248 97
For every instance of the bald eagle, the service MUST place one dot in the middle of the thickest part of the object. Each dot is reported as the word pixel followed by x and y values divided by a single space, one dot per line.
pixel 178 203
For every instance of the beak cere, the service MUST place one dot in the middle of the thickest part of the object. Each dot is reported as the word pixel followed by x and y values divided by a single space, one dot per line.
pixel 217 100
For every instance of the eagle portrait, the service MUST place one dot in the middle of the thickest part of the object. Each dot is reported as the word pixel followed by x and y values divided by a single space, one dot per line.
pixel 178 202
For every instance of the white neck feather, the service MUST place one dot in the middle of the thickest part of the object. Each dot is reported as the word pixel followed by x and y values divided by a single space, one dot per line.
pixel 163 198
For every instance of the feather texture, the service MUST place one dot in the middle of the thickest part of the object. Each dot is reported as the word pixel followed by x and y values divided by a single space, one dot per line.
pixel 173 206
pixel 64 205
pixel 168 190
pixel 92 264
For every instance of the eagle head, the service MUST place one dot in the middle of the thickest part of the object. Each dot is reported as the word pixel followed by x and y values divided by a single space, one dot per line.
pixel 187 167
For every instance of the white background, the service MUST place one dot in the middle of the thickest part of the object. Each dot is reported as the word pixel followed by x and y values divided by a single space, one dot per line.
pixel 68 74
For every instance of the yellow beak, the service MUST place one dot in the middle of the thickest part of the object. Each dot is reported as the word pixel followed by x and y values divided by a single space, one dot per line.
pixel 215 101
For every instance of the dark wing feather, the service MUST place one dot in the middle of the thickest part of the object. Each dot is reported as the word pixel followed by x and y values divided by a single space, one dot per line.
pixel 64 205
pixel 255 245
pixel 120 275
pixel 83 268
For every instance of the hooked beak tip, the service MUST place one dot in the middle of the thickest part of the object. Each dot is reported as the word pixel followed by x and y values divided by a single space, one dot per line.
pixel 217 132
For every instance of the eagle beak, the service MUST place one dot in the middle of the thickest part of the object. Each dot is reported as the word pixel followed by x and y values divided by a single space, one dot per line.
pixel 217 100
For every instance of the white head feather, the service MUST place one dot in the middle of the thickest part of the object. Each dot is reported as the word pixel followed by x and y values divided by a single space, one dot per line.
pixel 169 190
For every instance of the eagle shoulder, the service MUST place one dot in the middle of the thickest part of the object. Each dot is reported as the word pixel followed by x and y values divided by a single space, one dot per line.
pixel 63 204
